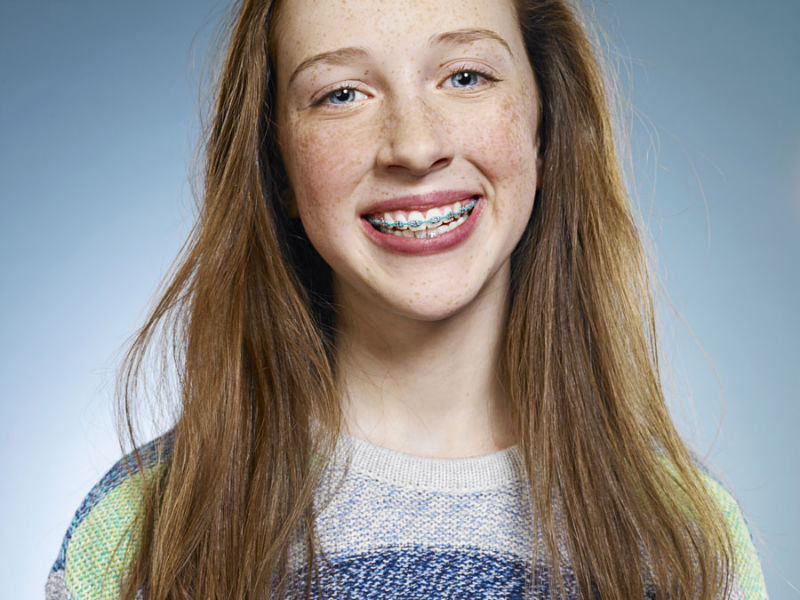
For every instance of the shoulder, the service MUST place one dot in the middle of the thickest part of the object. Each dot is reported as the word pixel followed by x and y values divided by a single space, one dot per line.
pixel 749 578
pixel 101 538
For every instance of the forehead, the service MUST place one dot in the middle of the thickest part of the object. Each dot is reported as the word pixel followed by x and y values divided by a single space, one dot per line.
pixel 388 27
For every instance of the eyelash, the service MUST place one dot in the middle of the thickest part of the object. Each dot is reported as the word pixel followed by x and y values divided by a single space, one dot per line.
pixel 483 73
pixel 354 87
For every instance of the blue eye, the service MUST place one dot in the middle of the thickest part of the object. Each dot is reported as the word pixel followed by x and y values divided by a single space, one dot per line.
pixel 464 79
pixel 344 95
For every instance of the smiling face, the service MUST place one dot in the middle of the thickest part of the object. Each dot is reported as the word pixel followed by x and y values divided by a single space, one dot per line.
pixel 409 135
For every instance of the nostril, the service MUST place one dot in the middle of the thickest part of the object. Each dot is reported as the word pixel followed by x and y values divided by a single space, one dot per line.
pixel 442 162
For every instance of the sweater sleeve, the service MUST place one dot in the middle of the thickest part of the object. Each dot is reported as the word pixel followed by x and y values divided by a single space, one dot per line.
pixel 101 540
pixel 748 577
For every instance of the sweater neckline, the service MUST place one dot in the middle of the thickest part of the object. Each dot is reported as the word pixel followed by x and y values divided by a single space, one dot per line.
pixel 475 473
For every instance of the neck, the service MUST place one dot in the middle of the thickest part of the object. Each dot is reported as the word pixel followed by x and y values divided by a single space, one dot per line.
pixel 428 388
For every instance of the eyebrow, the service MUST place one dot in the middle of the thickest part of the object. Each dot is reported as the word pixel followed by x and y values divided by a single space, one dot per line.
pixel 467 36
pixel 342 56
pixel 335 57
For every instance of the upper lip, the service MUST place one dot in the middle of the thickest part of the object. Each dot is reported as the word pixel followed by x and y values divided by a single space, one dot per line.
pixel 420 202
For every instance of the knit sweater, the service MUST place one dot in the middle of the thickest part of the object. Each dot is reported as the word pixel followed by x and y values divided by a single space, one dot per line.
pixel 390 525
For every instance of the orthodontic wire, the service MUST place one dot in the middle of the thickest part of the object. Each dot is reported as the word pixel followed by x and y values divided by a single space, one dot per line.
pixel 416 223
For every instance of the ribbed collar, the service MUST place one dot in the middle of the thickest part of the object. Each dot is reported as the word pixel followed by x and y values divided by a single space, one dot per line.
pixel 435 474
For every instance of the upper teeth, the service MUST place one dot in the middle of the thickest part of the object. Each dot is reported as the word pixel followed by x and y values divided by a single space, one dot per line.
pixel 417 221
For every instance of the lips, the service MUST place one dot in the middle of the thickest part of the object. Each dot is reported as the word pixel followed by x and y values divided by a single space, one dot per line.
pixel 396 224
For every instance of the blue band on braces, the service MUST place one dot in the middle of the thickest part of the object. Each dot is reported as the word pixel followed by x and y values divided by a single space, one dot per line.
pixel 432 220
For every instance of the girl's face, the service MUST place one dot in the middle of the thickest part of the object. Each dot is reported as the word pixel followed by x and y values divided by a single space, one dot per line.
pixel 409 134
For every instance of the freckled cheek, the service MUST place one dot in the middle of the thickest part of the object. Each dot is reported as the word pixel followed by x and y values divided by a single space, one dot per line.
pixel 503 146
pixel 325 164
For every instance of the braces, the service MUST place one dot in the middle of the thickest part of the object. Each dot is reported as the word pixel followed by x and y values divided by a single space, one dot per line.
pixel 416 223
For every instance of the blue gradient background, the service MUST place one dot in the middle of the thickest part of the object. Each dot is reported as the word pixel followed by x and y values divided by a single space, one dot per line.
pixel 98 120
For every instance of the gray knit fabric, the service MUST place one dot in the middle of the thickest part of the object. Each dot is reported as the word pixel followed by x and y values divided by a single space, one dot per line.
pixel 390 525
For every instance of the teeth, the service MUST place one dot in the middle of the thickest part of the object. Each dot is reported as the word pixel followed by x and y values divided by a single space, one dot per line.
pixel 434 216
pixel 432 223
pixel 422 232
pixel 417 216
pixel 445 228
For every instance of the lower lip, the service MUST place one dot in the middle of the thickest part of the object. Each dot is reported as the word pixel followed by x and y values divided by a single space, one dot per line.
pixel 413 245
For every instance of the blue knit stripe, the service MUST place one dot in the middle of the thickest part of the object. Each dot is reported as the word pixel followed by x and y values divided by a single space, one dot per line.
pixel 422 573
pixel 418 573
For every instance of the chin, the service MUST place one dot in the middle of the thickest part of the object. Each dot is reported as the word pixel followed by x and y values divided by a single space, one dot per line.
pixel 384 303
pixel 448 304
pixel 432 311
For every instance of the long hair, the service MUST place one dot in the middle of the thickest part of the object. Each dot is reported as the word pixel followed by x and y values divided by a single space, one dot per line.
pixel 617 496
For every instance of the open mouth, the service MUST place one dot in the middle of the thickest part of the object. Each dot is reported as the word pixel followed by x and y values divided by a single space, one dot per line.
pixel 429 224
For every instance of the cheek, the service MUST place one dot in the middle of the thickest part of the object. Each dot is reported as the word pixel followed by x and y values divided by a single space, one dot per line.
pixel 504 146
pixel 324 164
pixel 323 161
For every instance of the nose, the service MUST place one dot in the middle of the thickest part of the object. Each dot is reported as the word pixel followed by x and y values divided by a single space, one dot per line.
pixel 415 138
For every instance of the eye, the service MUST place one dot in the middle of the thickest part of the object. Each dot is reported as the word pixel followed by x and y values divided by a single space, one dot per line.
pixel 345 95
pixel 464 79
pixel 468 78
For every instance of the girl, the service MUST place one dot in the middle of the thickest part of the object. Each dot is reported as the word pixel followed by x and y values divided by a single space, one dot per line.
pixel 413 335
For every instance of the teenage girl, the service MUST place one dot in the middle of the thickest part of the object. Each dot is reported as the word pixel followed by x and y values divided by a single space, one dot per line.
pixel 412 335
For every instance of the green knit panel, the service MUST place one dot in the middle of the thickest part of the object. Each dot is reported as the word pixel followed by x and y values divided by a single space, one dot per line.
pixel 749 576
pixel 103 545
